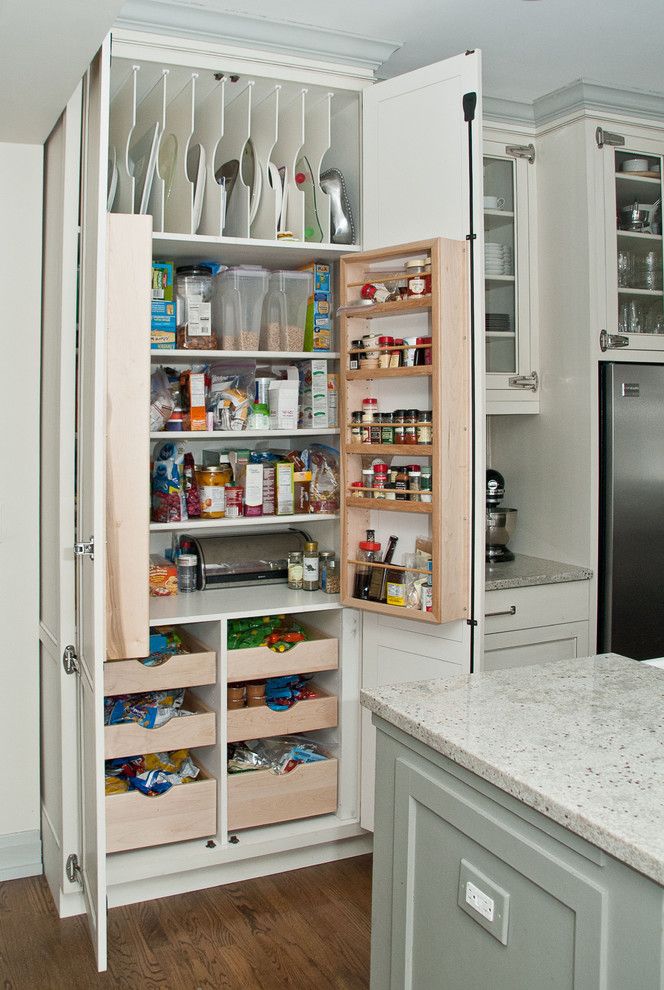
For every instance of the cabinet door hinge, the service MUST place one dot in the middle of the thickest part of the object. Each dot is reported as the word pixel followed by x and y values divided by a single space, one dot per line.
pixel 70 660
pixel 608 137
pixel 85 549
pixel 611 341
pixel 73 869
pixel 530 382
pixel 526 151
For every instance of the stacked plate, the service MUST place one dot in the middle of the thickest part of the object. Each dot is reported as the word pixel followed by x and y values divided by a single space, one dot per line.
pixel 498 259
pixel 498 322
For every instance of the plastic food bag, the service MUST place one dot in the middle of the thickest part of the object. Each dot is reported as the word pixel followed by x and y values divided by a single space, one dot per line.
pixel 152 774
pixel 151 710
pixel 161 400
pixel 324 488
pixel 168 501
pixel 232 394
pixel 281 754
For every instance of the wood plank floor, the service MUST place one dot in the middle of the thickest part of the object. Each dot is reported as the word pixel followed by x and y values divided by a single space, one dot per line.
pixel 303 930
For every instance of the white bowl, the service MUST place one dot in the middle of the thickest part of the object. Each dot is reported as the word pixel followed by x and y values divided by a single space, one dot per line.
pixel 635 165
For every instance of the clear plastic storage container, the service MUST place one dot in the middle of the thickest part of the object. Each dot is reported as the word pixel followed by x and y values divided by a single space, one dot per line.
pixel 285 311
pixel 237 304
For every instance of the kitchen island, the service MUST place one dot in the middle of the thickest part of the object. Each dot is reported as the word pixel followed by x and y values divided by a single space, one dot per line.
pixel 519 840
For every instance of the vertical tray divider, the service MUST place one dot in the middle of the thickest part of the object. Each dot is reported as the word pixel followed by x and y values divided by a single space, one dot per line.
pixel 264 134
pixel 178 187
pixel 122 124
pixel 208 132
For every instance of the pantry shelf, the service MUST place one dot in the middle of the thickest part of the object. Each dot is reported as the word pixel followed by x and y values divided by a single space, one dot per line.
pixel 400 307
pixel 196 357
pixel 241 434
pixel 364 375
pixel 239 603
pixel 184 248
pixel 388 505
pixel 393 449
pixel 249 522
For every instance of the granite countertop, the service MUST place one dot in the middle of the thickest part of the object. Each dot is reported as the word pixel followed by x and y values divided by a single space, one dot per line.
pixel 522 572
pixel 581 741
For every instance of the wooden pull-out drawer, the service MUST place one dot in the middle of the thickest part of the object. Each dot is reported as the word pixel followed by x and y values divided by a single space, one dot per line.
pixel 321 652
pixel 186 811
pixel 304 716
pixel 262 797
pixel 183 670
pixel 181 732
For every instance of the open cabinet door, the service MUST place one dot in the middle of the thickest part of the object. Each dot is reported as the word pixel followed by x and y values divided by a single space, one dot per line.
pixel 90 491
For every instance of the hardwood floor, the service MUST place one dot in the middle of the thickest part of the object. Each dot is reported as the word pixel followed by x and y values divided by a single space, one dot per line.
pixel 304 930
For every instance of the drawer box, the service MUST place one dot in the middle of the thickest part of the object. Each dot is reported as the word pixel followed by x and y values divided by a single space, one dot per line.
pixel 184 732
pixel 321 652
pixel 184 670
pixel 186 811
pixel 262 797
pixel 540 605
pixel 304 716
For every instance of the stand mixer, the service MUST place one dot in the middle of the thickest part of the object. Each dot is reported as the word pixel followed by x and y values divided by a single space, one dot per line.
pixel 500 522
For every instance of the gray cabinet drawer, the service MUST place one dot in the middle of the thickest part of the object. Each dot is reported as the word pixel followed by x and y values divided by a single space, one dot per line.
pixel 542 605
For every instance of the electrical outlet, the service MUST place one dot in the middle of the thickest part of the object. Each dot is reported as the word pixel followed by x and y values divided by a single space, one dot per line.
pixel 480 901
pixel 484 901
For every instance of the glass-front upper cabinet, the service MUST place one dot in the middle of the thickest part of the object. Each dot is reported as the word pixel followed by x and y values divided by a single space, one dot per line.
pixel 509 277
pixel 633 196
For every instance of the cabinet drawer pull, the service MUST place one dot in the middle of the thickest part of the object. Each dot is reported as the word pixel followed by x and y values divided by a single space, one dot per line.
pixel 503 611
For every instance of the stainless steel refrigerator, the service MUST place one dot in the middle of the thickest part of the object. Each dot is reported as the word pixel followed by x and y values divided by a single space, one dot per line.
pixel 631 559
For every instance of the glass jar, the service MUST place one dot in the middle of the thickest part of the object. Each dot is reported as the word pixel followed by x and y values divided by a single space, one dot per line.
pixel 193 295
pixel 356 431
pixel 386 429
pixel 396 360
pixel 187 572
pixel 425 484
pixel 368 552
pixel 424 427
pixel 256 694
pixel 356 359
pixel 368 481
pixel 324 558
pixel 237 696
pixel 332 584
pixel 310 577
pixel 212 483
pixel 295 570
pixel 401 484
pixel 380 481
pixel 385 344
pixel 414 482
pixel 376 429
pixel 369 409
pixel 411 417
pixel 399 427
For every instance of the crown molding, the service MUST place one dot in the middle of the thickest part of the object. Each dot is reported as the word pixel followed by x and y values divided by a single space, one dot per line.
pixel 501 111
pixel 205 21
pixel 584 95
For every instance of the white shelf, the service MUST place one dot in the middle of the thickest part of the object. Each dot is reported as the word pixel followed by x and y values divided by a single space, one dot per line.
pixel 500 333
pixel 183 248
pixel 638 235
pixel 242 434
pixel 499 278
pixel 245 522
pixel 202 606
pixel 640 292
pixel 499 214
pixel 202 357
pixel 636 179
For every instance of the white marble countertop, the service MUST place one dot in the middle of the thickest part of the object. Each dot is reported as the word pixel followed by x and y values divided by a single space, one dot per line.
pixel 524 572
pixel 581 741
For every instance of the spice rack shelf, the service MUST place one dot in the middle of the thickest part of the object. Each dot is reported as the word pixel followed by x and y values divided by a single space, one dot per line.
pixel 400 307
pixel 387 505
pixel 371 374
pixel 444 387
pixel 323 431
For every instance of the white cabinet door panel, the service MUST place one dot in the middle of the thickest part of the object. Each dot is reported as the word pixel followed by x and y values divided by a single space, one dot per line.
pixel 539 645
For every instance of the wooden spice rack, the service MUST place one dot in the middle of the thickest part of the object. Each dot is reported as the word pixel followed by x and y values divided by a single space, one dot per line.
pixel 444 387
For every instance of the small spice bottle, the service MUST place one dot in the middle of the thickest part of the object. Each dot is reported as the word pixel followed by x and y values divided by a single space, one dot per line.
pixel 396 360
pixel 414 482
pixel 385 343
pixel 399 427
pixel 424 427
pixel 425 484
pixel 354 362
pixel 401 485
pixel 310 577
pixel 376 429
pixel 187 572
pixel 295 570
pixel 368 481
pixel 324 558
pixel 332 584
pixel 356 427
pixel 386 429
pixel 411 417
pixel 369 409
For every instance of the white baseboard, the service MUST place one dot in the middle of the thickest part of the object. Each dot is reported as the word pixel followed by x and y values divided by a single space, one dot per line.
pixel 20 855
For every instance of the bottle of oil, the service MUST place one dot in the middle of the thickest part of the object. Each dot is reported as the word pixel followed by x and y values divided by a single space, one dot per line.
pixel 367 555
pixel 378 580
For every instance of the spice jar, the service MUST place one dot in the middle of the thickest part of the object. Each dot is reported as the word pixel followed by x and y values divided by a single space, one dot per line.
pixel 372 350
pixel 310 578
pixel 256 694
pixel 414 482
pixel 332 584
pixel 211 487
pixel 396 359
pixel 236 695
pixel 380 480
pixel 376 429
pixel 193 293
pixel 426 351
pixel 417 283
pixel 411 417
pixel 355 359
pixel 399 427
pixel 426 484
pixel 324 558
pixel 356 431
pixel 424 426
pixel 295 570
pixel 386 429
pixel 385 344
pixel 187 572
pixel 368 481
pixel 401 484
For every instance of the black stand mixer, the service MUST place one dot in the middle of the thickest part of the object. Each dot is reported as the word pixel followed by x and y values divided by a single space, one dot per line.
pixel 500 523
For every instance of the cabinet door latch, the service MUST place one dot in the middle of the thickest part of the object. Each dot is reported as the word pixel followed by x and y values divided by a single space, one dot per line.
pixel 70 660
pixel 526 151
pixel 530 382
pixel 611 341
pixel 73 869
pixel 608 137
pixel 85 549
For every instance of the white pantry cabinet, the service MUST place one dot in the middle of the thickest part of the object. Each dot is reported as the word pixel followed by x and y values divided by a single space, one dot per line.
pixel 407 183
pixel 510 272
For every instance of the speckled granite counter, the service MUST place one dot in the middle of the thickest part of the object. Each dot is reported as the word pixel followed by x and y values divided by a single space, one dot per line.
pixel 581 741
pixel 523 572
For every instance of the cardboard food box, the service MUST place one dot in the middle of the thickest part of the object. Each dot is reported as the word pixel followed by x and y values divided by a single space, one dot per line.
pixel 163 315
pixel 318 326
pixel 314 391
pixel 285 489
pixel 163 577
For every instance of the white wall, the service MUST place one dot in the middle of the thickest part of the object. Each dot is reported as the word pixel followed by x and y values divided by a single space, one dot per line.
pixel 20 292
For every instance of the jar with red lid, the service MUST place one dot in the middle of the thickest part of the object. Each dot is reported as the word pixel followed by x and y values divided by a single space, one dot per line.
pixel 380 480
pixel 369 409
pixel 385 344
pixel 423 354
pixel 396 357
pixel 368 554
pixel 398 425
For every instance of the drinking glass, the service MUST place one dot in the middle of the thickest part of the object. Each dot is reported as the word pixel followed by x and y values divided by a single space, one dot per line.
pixel 625 269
